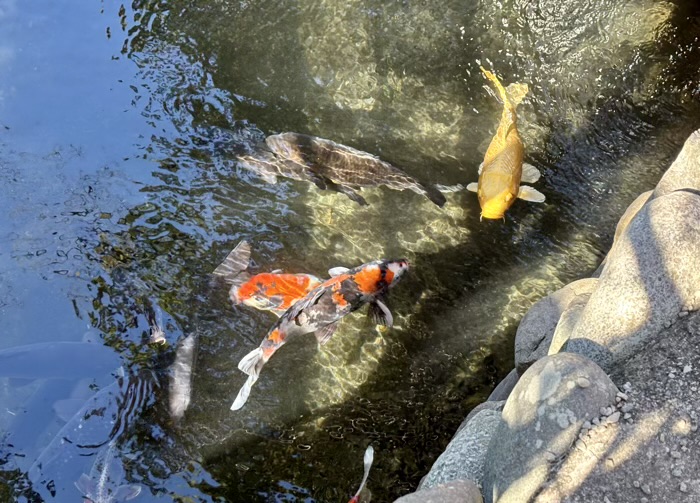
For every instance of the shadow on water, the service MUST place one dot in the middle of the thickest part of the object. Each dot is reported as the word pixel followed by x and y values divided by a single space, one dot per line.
pixel 228 73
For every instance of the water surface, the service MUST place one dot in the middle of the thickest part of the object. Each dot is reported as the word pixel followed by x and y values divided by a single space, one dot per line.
pixel 119 184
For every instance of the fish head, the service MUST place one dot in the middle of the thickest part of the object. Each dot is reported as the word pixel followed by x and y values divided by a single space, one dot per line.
pixel 395 269
pixel 494 204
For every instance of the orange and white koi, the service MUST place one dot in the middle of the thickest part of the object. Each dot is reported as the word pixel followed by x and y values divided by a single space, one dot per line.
pixel 360 495
pixel 274 291
pixel 321 310
pixel 503 168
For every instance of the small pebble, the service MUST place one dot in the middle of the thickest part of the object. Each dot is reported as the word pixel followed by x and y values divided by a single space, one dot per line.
pixel 627 386
pixel 610 463
pixel 627 416
pixel 683 487
pixel 646 489
pixel 622 395
pixel 644 500
pixel 550 456
pixel 587 425
pixel 596 420
pixel 626 408
pixel 606 500
pixel 671 375
pixel 662 438
pixel 683 314
pixel 636 483
pixel 677 472
pixel 675 454
pixel 583 382
pixel 614 418
pixel 687 369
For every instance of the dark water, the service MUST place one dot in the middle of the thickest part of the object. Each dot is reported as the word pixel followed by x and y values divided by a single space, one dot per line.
pixel 118 188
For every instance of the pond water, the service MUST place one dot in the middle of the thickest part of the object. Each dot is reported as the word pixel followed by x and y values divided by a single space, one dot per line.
pixel 120 189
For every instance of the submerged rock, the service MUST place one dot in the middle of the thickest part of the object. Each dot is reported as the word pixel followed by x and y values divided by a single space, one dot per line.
pixel 464 456
pixel 537 327
pixel 541 419
pixel 456 491
pixel 651 276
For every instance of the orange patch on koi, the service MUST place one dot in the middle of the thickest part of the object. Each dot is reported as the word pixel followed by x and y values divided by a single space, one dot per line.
pixel 367 279
pixel 276 337
pixel 339 299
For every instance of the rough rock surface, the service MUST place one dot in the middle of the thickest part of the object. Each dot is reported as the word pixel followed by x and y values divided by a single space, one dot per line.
pixel 456 491
pixel 567 322
pixel 541 419
pixel 649 449
pixel 488 405
pixel 652 274
pixel 464 456
pixel 536 329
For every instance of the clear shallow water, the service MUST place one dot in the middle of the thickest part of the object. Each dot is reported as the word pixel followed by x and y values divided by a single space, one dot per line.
pixel 118 184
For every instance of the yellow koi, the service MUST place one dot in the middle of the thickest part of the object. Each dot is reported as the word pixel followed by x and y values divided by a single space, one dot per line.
pixel 503 168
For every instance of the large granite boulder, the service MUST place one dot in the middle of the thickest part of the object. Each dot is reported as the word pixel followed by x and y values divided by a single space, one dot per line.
pixel 652 274
pixel 536 329
pixel 456 491
pixel 464 456
pixel 648 449
pixel 541 419
pixel 684 173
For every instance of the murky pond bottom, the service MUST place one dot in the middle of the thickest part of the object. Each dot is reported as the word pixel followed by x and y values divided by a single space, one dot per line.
pixel 122 190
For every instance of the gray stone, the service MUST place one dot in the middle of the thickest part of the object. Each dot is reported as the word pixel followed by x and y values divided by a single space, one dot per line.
pixel 504 388
pixel 567 322
pixel 489 405
pixel 540 421
pixel 658 454
pixel 684 173
pixel 464 456
pixel 456 491
pixel 651 276
pixel 536 329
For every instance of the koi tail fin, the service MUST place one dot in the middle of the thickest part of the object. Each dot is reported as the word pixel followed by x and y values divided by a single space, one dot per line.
pixel 512 96
pixel 252 363
pixel 369 458
pixel 234 264
pixel 244 393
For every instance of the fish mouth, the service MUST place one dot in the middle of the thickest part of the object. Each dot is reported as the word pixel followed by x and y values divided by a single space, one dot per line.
pixel 492 216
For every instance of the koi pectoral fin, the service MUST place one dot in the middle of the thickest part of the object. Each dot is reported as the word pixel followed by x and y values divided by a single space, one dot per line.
pixel 527 193
pixel 337 271
pixel 473 187
pixel 380 314
pixel 235 262
pixel 530 173
pixel 127 492
pixel 244 393
pixel 324 334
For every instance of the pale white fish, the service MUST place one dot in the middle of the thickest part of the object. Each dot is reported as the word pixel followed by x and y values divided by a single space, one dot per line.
pixel 180 387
